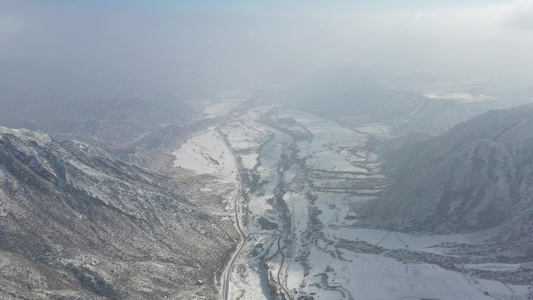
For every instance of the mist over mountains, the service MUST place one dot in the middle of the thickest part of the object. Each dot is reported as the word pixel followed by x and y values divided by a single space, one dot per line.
pixel 101 169
pixel 355 96
pixel 232 150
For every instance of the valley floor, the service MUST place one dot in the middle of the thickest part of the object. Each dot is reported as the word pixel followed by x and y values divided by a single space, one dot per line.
pixel 298 180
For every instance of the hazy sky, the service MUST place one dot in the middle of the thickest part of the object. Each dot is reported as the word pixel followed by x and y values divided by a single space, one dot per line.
pixel 169 46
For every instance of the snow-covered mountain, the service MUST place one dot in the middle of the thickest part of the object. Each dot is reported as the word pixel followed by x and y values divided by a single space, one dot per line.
pixel 75 223
pixel 478 175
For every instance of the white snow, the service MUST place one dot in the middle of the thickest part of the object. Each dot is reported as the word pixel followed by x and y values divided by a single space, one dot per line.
pixel 493 267
pixel 249 160
pixel 227 101
pixel 336 272
pixel 206 153
pixel 398 240
pixel 369 276
pixel 461 96
pixel 374 129
pixel 40 137
pixel 320 261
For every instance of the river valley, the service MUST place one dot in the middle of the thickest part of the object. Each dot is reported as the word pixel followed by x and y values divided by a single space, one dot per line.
pixel 298 181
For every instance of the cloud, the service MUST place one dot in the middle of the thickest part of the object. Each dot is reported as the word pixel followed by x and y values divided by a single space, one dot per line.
pixel 460 41
pixel 521 16
pixel 141 48
pixel 10 25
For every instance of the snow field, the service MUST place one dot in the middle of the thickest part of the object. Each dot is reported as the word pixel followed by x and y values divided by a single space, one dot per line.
pixel 377 130
pixel 321 260
pixel 397 240
pixel 325 132
pixel 336 272
pixel 226 101
pixel 369 276
pixel 493 266
pixel 249 160
pixel 206 153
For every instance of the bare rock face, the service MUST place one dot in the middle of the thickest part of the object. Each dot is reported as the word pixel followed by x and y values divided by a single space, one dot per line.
pixel 76 223
pixel 476 176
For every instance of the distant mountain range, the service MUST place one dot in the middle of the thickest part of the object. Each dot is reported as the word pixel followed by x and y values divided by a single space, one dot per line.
pixel 353 97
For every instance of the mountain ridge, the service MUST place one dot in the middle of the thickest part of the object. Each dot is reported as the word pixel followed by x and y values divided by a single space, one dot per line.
pixel 475 176
pixel 75 222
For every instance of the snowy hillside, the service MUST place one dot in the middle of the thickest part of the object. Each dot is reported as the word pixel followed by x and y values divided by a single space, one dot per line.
pixel 77 224
pixel 475 176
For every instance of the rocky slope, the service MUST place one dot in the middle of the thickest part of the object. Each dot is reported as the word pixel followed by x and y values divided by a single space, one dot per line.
pixel 476 176
pixel 75 223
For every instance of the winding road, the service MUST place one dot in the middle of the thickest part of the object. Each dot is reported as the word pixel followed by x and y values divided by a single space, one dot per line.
pixel 226 277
